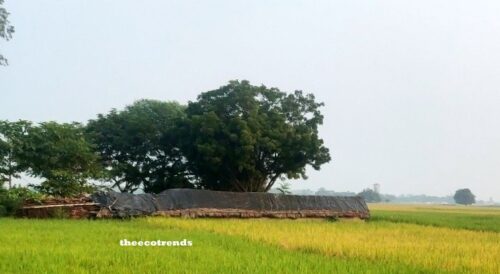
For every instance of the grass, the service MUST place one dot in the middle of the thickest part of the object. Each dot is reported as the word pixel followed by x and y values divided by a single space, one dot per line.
pixel 414 245
pixel 72 246
pixel 424 248
pixel 460 217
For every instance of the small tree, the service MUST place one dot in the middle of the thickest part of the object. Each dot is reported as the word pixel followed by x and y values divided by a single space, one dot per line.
pixel 464 197
pixel 61 155
pixel 370 196
pixel 11 139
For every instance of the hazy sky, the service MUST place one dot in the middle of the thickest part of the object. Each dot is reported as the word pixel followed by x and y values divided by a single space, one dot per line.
pixel 412 88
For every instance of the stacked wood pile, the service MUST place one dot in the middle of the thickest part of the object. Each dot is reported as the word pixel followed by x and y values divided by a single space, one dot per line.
pixel 74 208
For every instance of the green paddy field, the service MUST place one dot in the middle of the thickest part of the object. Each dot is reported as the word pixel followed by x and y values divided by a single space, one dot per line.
pixel 398 239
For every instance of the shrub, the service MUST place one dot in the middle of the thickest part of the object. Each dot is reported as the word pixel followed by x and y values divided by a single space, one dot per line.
pixel 8 205
pixel 25 194
pixel 12 199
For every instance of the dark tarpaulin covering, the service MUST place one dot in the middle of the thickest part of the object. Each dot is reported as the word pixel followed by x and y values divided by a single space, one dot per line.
pixel 126 204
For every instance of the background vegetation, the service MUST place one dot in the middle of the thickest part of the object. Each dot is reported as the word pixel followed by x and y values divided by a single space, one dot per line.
pixel 238 137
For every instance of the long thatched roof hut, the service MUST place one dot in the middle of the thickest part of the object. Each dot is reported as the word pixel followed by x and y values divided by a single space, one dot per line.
pixel 205 203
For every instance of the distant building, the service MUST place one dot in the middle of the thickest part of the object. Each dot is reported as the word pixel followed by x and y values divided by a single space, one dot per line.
pixel 376 188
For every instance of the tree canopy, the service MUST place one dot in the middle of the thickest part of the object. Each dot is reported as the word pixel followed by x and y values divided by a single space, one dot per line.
pixel 138 148
pixel 6 29
pixel 11 138
pixel 61 155
pixel 243 138
pixel 239 137
pixel 464 197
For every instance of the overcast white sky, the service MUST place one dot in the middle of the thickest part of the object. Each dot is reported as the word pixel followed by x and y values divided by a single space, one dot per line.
pixel 412 88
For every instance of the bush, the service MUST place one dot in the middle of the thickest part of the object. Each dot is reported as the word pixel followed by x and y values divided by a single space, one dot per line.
pixel 25 194
pixel 12 199
pixel 9 205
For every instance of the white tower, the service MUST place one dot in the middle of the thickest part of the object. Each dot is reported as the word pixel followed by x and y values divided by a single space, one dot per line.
pixel 376 188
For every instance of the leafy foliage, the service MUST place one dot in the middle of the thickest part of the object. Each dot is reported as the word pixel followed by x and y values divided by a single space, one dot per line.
pixel 239 137
pixel 464 197
pixel 12 199
pixel 25 193
pixel 138 146
pixel 6 29
pixel 11 137
pixel 243 138
pixel 7 205
pixel 61 155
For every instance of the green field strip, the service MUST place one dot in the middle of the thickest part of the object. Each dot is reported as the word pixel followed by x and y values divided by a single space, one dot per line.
pixel 71 246
pixel 440 219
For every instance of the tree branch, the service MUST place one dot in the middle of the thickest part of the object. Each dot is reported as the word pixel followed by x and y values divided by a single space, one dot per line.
pixel 272 181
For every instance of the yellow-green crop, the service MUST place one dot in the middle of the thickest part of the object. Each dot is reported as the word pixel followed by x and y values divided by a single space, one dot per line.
pixel 394 241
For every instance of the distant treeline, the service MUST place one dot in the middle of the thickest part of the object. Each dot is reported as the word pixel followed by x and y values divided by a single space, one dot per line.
pixel 407 198
pixel 239 137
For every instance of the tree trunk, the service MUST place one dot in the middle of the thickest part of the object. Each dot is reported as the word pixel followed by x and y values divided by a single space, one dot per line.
pixel 10 173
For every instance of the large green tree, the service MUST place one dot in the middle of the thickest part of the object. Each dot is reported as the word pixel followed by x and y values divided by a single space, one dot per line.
pixel 61 155
pixel 138 146
pixel 242 137
pixel 11 137
pixel 6 29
